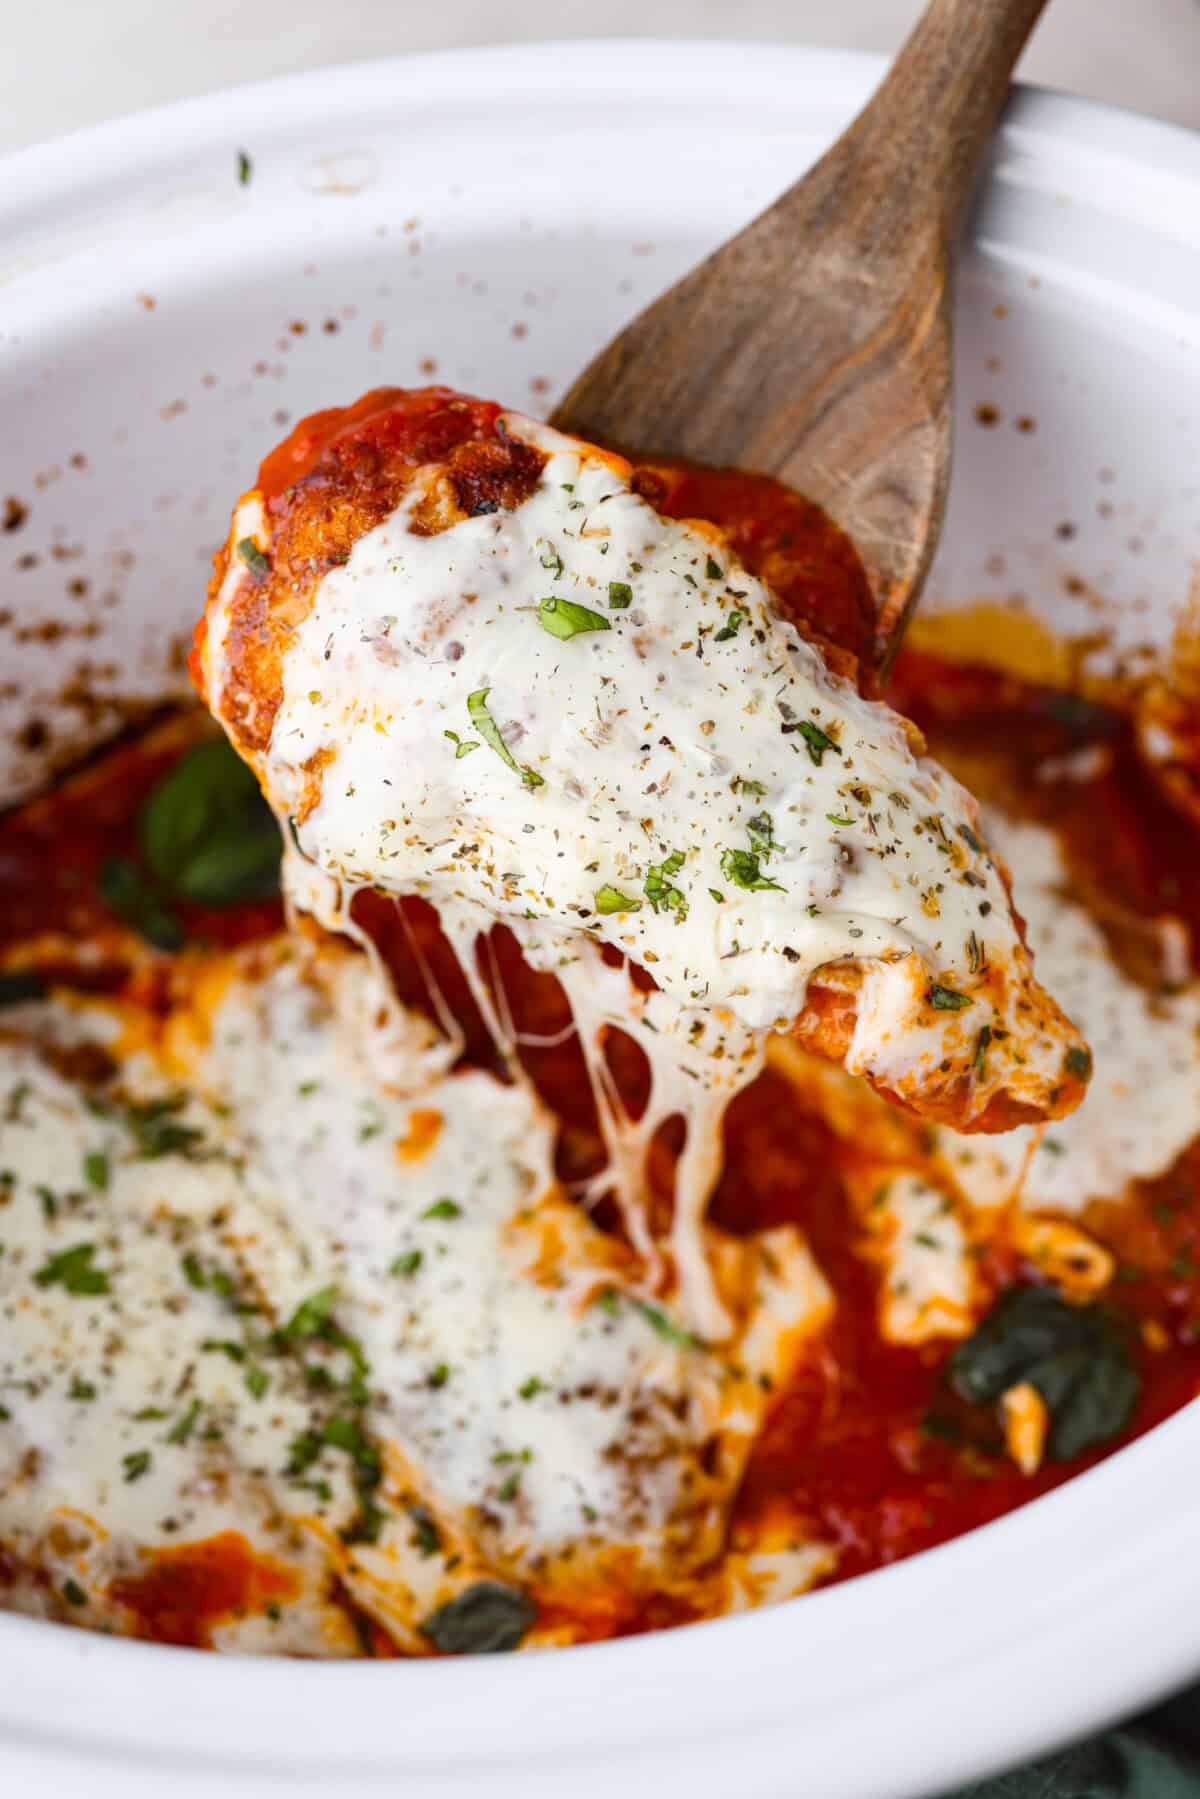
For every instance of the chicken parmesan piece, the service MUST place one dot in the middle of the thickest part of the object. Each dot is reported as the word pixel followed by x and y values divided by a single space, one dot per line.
pixel 469 660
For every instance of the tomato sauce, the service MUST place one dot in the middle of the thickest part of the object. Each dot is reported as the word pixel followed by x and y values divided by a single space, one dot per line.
pixel 186 1593
pixel 868 1445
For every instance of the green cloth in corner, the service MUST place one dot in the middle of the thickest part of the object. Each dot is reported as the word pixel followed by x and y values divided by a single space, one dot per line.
pixel 1158 1758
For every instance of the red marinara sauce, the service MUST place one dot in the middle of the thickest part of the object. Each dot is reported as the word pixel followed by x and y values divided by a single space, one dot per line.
pixel 185 1593
pixel 810 565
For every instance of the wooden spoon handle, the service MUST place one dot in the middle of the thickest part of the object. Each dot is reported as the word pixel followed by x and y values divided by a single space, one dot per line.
pixel 931 118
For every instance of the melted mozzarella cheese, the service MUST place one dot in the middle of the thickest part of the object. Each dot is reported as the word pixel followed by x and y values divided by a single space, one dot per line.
pixel 926 1288
pixel 126 1423
pixel 521 1406
pixel 1142 1108
pixel 683 780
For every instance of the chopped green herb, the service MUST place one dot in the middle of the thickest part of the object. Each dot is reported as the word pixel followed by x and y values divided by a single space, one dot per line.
pixel 185 1424
pixel 150 1414
pixel 818 741
pixel 620 595
pixel 529 1389
pixel 945 999
pixel 509 1486
pixel 611 899
pixel 255 559
pixel 715 893
pixel 302 1453
pixel 443 1208
pixel 835 818
pixel 347 1435
pixel 72 1269
pixel 371 1126
pixel 426 1537
pixel 439 1376
pixel 713 570
pixel 406 1264
pixel 489 730
pixel 666 1326
pixel 662 895
pixel 463 745
pixel 156 1130
pixel 245 168
pixel 969 838
pixel 608 1300
pixel 731 629
pixel 743 868
pixel 754 788
pixel 96 1170
pixel 979 1061
pixel 311 1316
pixel 73 1593
pixel 552 560
pixel 225 1346
pixel 1079 1063
pixel 761 832
pixel 81 1390
pixel 136 1464
pixel 257 1381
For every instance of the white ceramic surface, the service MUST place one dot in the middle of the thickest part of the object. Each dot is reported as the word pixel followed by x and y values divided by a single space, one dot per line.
pixel 500 213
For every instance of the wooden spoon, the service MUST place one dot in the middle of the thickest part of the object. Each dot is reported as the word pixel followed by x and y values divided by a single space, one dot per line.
pixel 815 345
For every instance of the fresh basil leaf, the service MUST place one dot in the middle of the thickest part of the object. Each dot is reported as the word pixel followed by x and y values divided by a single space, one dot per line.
pixel 206 833
pixel 567 618
pixel 489 730
pixel 130 897
pixel 485 1619
pixel 1077 1358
